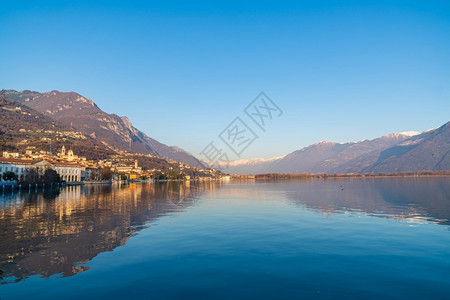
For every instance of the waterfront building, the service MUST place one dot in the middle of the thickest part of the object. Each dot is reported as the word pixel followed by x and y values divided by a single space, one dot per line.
pixel 18 166
pixel 69 172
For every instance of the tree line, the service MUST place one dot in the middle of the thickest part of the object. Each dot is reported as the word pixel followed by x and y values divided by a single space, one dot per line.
pixel 33 176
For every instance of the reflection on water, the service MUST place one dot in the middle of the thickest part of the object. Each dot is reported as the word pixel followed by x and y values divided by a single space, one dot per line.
pixel 55 232
pixel 406 199
pixel 58 232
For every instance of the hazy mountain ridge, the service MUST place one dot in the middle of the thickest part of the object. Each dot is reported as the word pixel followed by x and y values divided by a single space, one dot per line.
pixel 361 148
pixel 84 115
pixel 396 152
pixel 309 158
pixel 250 166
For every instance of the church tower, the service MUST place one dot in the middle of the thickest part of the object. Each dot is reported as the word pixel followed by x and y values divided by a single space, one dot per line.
pixel 63 151
pixel 70 155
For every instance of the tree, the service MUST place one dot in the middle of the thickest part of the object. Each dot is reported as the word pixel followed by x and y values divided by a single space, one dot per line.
pixel 31 176
pixel 106 173
pixel 51 176
pixel 172 174
pixel 94 174
pixel 157 175
pixel 9 175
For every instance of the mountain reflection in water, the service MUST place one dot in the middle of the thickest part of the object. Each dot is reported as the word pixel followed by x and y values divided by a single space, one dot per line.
pixel 58 232
pixel 408 199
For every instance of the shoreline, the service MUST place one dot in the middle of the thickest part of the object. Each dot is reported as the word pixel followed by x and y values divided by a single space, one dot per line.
pixel 275 176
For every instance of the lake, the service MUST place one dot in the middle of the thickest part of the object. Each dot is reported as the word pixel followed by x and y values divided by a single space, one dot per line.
pixel 377 238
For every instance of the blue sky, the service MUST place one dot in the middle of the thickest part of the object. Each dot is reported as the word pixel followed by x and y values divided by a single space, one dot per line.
pixel 183 70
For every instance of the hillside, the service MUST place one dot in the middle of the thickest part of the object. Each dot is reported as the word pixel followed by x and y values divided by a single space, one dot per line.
pixel 22 127
pixel 84 115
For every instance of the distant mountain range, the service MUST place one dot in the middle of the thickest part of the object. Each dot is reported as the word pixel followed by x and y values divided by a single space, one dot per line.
pixel 27 117
pixel 396 152
pixel 82 114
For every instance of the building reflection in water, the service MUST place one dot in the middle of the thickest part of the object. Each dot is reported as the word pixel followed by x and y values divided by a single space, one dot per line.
pixel 57 232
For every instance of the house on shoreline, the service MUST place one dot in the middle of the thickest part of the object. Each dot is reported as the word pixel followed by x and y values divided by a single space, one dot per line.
pixel 69 172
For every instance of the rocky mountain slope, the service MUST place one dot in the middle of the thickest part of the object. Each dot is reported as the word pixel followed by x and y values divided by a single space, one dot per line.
pixel 22 127
pixel 84 115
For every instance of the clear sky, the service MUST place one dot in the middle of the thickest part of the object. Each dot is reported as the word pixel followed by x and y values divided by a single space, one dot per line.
pixel 183 70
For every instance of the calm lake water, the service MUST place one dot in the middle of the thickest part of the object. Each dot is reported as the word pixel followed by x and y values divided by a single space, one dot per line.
pixel 384 238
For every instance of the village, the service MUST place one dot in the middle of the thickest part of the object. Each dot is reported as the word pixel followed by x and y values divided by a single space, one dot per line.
pixel 69 168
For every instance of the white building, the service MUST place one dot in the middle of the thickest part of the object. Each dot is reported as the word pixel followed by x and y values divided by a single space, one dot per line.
pixel 68 172
pixel 7 154
pixel 15 165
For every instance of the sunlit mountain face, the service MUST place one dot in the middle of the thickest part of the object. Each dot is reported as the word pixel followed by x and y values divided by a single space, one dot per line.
pixel 81 113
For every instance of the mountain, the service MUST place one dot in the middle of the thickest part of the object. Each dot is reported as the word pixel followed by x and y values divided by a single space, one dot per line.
pixel 250 166
pixel 308 159
pixel 327 157
pixel 22 127
pixel 14 114
pixel 112 130
pixel 321 157
pixel 427 151
pixel 397 152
